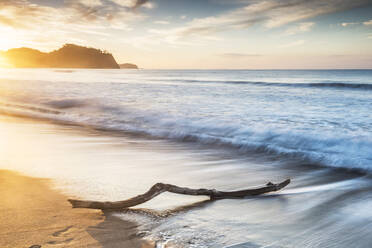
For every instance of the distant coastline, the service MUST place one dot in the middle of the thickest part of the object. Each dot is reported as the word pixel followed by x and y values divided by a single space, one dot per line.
pixel 128 66
pixel 68 56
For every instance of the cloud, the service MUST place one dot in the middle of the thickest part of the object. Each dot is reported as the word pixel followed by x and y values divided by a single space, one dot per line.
pixel 268 13
pixel 293 44
pixel 134 4
pixel 33 23
pixel 345 24
pixel 161 22
pixel 22 14
pixel 205 28
pixel 30 14
pixel 10 22
pixel 124 3
pixel 238 55
pixel 96 10
pixel 300 28
pixel 139 3
pixel 91 3
pixel 367 23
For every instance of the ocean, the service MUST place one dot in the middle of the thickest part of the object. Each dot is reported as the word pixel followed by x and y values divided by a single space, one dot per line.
pixel 111 134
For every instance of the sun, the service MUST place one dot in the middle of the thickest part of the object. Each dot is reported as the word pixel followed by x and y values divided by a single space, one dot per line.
pixel 6 43
pixel 10 38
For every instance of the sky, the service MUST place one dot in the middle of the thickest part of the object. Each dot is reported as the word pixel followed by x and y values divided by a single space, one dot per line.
pixel 199 34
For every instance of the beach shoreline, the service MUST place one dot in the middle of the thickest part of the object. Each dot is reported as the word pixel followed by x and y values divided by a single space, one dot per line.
pixel 116 145
pixel 32 213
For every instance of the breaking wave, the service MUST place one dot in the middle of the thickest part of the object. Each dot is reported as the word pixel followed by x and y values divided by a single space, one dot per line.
pixel 67 103
pixel 328 149
pixel 327 84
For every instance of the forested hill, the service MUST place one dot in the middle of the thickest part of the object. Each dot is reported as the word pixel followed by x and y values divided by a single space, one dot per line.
pixel 69 56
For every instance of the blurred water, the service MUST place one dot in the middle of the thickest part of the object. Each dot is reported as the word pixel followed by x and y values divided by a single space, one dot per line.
pixel 321 116
pixel 216 129
pixel 320 208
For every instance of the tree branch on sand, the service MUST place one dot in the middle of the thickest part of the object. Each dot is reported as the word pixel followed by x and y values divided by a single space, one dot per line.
pixel 159 188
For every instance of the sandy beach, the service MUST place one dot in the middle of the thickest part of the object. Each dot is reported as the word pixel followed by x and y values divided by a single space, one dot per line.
pixel 31 213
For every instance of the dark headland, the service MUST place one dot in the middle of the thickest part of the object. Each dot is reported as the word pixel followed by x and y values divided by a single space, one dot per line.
pixel 128 66
pixel 68 56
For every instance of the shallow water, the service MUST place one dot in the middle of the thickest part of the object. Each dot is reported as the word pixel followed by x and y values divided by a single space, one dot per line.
pixel 129 130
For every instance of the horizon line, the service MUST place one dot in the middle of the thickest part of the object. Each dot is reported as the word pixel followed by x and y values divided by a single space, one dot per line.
pixel 200 69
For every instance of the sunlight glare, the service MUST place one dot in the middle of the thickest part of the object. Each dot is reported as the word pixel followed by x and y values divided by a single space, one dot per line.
pixel 10 38
pixel 4 62
pixel 6 44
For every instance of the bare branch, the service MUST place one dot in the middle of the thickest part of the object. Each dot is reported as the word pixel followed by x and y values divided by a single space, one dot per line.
pixel 159 188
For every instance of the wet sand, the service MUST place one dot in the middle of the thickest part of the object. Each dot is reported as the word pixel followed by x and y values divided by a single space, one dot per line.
pixel 31 213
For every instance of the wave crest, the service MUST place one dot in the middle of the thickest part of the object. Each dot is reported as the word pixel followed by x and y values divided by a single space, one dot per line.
pixel 327 84
pixel 329 149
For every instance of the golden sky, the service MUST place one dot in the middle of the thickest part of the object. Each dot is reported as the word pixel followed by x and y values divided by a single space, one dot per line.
pixel 231 34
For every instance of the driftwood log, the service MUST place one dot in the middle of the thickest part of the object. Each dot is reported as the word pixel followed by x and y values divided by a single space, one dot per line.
pixel 159 188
